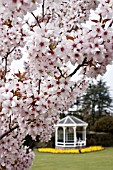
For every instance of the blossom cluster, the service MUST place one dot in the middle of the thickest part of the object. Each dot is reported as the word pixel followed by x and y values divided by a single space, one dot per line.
pixel 53 35
pixel 13 155
pixel 73 151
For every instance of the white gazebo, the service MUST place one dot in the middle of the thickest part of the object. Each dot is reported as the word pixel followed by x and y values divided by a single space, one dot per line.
pixel 70 132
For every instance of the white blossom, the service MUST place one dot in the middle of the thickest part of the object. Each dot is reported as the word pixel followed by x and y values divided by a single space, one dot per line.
pixel 32 101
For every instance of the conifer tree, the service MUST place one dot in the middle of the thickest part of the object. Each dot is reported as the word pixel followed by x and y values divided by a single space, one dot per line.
pixel 97 100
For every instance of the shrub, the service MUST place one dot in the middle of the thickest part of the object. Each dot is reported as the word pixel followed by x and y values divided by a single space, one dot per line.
pixel 99 138
pixel 104 124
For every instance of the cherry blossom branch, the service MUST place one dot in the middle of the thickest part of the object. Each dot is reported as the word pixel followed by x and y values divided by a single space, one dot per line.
pixel 60 72
pixel 5 58
pixel 9 131
pixel 10 122
pixel 78 67
pixel 5 71
pixel 11 50
pixel 43 4
pixel 39 86
pixel 72 28
pixel 36 19
pixel 110 25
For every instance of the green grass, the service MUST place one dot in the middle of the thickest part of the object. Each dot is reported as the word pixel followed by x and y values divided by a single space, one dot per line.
pixel 100 160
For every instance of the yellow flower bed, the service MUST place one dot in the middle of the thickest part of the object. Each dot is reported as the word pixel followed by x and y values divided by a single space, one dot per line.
pixel 82 150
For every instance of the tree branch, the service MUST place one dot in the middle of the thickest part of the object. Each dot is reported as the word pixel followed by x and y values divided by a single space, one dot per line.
pixel 36 19
pixel 10 51
pixel 10 122
pixel 60 72
pixel 5 58
pixel 39 86
pixel 43 5
pixel 110 25
pixel 78 67
pixel 5 71
pixel 9 131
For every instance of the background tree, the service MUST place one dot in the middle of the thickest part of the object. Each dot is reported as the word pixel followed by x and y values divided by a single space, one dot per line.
pixel 97 100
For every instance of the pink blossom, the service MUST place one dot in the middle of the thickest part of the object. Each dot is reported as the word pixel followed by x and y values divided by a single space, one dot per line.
pixel 53 37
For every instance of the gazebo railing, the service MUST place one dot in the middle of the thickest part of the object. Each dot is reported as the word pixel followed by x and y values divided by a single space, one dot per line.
pixel 71 144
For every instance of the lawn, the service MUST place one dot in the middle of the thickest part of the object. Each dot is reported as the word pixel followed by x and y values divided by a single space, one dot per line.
pixel 100 160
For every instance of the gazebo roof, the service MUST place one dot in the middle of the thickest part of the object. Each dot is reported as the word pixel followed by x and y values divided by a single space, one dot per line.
pixel 71 121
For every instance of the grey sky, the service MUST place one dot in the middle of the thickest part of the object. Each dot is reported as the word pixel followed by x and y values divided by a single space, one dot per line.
pixel 108 77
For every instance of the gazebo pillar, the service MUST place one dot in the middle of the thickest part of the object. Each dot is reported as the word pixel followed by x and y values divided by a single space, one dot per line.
pixel 56 135
pixel 64 136
pixel 84 133
pixel 75 137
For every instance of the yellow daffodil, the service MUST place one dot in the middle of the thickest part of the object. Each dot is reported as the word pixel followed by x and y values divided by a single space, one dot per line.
pixel 81 150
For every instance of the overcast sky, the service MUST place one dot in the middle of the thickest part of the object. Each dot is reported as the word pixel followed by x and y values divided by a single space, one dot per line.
pixel 108 77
